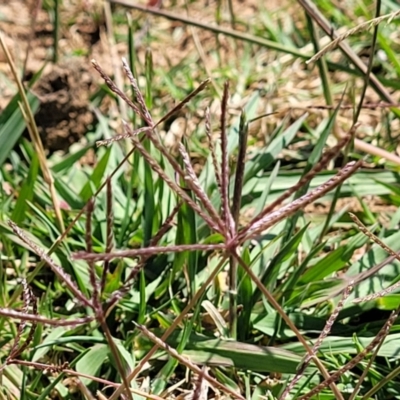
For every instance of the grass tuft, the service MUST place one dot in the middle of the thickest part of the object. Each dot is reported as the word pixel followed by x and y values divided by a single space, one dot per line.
pixel 221 245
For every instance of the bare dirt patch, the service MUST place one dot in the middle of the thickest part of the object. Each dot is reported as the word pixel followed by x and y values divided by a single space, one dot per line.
pixel 288 85
pixel 64 88
pixel 64 115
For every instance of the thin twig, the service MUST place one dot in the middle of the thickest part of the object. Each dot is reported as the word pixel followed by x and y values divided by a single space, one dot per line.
pixel 193 182
pixel 8 312
pixel 115 355
pixel 29 300
pixel 63 368
pixel 236 207
pixel 114 88
pixel 213 222
pixel 65 232
pixel 145 251
pixel 365 372
pixel 116 138
pixel 182 103
pixel 145 112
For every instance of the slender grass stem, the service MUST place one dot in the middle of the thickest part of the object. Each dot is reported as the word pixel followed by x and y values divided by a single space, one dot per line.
pixel 317 16
pixel 367 76
pixel 215 28
pixel 56 30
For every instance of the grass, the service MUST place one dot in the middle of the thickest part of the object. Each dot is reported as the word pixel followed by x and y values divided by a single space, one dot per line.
pixel 197 266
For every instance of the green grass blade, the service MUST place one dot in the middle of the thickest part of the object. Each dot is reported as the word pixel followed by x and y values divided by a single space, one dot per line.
pixel 266 158
pixel 12 124
pixel 335 260
pixel 244 296
pixel 270 276
pixel 96 177
pixel 26 193
pixel 149 212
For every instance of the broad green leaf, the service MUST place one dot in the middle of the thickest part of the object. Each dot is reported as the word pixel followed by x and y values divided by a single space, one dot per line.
pixel 335 260
pixel 388 302
pixel 244 356
pixel 345 345
pixel 50 339
pixel 69 160
pixel 92 361
pixel 241 355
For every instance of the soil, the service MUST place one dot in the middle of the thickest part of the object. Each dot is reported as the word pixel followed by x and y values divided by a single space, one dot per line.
pixel 64 88
pixel 64 116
